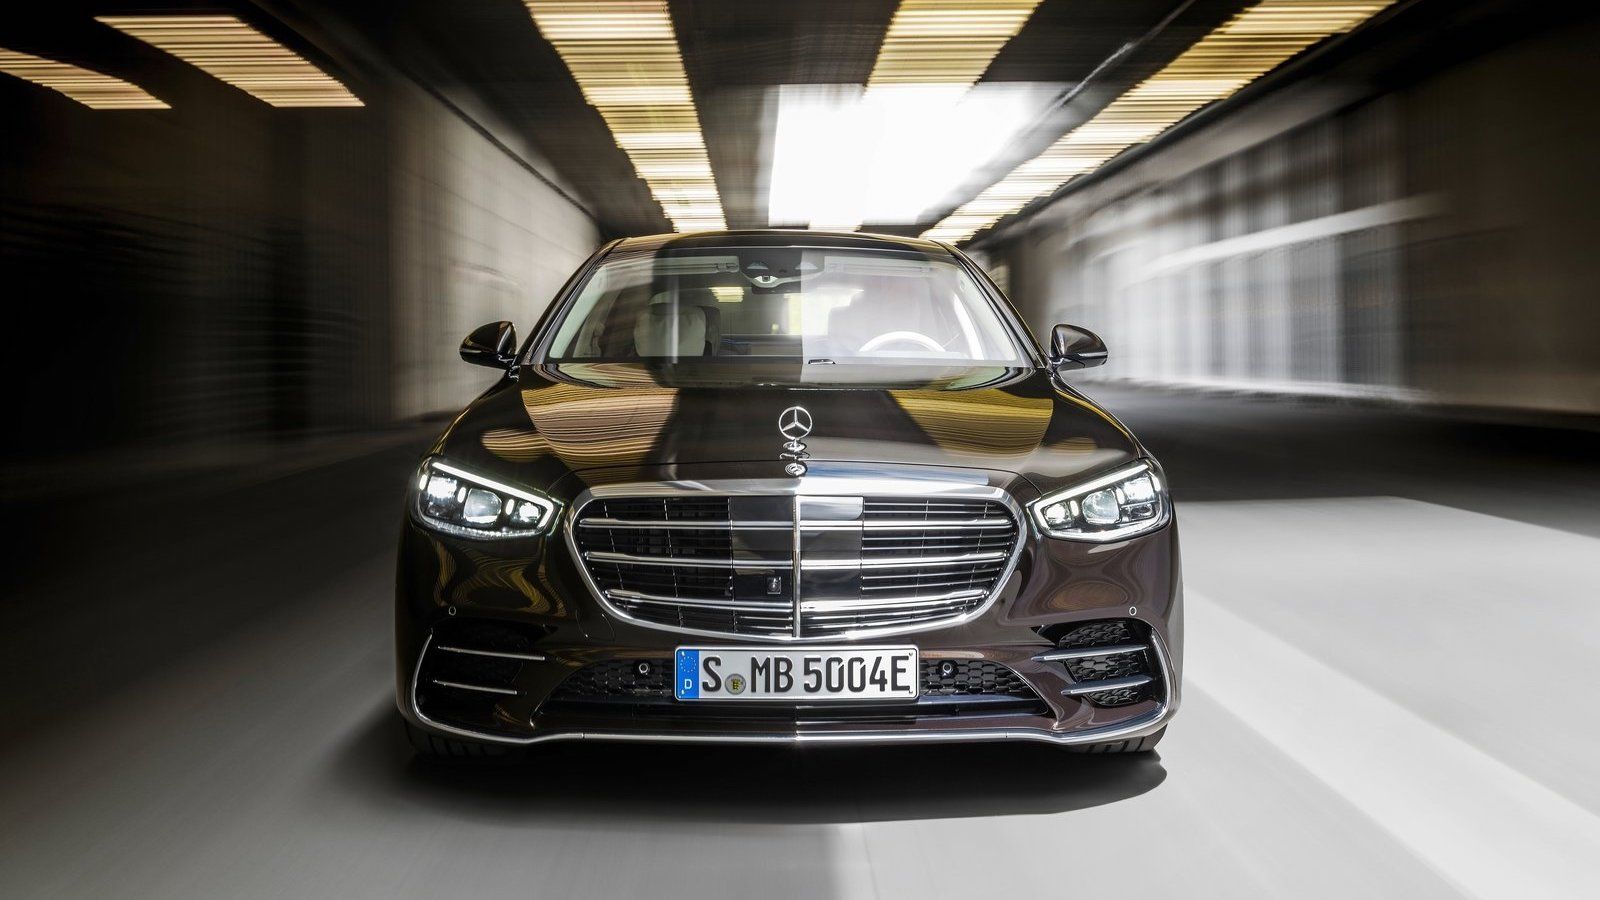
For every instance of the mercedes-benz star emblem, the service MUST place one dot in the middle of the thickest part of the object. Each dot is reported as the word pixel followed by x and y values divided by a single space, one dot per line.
pixel 794 423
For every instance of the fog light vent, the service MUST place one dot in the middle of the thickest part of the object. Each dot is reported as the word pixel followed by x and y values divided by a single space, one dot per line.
pixel 469 670
pixel 1110 663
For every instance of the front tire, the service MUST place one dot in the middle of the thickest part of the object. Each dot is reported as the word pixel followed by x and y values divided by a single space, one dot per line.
pixel 1131 745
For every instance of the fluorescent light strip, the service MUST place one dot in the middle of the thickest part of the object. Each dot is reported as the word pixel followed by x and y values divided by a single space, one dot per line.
pixel 1249 45
pixel 946 41
pixel 92 89
pixel 231 51
pixel 915 98
pixel 624 56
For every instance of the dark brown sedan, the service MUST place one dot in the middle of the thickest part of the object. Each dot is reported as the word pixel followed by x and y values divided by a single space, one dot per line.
pixel 777 486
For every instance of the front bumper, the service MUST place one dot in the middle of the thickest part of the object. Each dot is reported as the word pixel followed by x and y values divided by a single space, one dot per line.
pixel 535 590
pixel 929 720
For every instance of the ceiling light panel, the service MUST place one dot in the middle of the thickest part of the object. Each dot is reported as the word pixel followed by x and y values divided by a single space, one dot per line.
pixel 915 129
pixel 946 41
pixel 92 89
pixel 231 51
pixel 908 148
pixel 624 56
pixel 1249 45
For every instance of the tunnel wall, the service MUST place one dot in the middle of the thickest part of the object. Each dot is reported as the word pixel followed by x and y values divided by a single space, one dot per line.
pixel 477 238
pixel 1429 242
pixel 224 272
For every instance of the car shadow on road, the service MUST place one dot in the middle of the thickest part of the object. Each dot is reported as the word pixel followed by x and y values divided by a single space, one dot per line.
pixel 756 785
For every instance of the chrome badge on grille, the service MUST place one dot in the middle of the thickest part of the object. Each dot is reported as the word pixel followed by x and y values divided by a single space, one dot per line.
pixel 794 423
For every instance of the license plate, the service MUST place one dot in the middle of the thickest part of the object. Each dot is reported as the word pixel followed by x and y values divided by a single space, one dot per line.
pixel 812 673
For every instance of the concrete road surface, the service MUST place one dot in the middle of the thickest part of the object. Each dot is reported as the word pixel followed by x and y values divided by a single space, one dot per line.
pixel 1394 635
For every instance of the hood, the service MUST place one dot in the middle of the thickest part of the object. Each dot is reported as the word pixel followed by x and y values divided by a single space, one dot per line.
pixel 556 420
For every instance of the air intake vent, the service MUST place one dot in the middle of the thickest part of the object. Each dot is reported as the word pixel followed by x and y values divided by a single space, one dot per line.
pixel 971 677
pixel 469 670
pixel 643 679
pixel 1111 663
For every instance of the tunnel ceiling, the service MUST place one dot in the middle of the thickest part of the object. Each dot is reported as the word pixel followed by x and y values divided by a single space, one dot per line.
pixel 736 53
pixel 490 57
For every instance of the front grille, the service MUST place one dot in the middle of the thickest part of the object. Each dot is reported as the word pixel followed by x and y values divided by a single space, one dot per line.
pixel 728 564
pixel 651 679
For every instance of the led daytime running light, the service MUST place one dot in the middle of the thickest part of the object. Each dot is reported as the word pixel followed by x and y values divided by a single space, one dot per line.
pixel 1119 505
pixel 456 501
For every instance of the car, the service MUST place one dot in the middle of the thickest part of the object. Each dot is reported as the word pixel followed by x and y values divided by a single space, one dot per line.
pixel 783 486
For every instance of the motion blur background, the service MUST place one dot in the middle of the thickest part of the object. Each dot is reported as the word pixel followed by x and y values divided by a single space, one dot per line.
pixel 1342 252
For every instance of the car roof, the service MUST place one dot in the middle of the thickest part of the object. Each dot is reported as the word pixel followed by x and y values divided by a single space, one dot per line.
pixel 780 237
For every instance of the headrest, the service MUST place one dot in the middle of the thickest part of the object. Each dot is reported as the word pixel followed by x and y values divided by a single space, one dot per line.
pixel 654 330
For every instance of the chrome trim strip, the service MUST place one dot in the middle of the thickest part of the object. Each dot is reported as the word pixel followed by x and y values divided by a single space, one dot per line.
pixel 708 524
pixel 903 524
pixel 925 487
pixel 864 604
pixel 473 687
pixel 1142 726
pixel 699 602
pixel 1112 684
pixel 908 562
pixel 832 619
pixel 795 565
pixel 913 524
pixel 1087 652
pixel 690 561
pixel 500 654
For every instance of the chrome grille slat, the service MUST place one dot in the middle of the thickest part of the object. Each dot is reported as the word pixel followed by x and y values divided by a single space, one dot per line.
pixel 925 581
pixel 908 524
pixel 677 561
pixel 907 562
pixel 895 615
pixel 700 562
pixel 684 524
pixel 888 602
pixel 869 607
pixel 782 606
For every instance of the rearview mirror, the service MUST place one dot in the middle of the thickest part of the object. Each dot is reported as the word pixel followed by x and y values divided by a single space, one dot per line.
pixel 1072 347
pixel 493 345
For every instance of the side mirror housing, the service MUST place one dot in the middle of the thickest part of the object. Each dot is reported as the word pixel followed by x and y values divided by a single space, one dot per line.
pixel 1072 347
pixel 493 345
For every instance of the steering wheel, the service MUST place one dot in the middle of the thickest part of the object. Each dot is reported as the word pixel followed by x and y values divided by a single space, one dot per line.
pixel 913 337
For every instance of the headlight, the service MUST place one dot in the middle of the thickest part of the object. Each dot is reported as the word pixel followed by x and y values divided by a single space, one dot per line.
pixel 456 501
pixel 1120 505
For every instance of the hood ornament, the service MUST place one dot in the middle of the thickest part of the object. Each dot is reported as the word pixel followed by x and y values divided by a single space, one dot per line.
pixel 794 423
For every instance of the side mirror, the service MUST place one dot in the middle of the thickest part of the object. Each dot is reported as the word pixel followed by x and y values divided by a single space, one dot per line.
pixel 1072 347
pixel 493 345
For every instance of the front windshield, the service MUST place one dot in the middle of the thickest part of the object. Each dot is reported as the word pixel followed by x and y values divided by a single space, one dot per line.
pixel 817 305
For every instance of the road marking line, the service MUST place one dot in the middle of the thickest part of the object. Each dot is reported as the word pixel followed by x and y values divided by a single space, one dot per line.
pixel 1485 826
